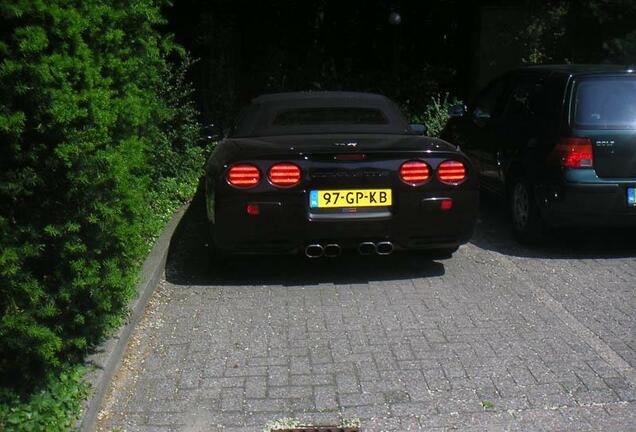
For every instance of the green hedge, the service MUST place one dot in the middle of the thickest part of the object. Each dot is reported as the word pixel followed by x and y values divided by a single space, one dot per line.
pixel 97 148
pixel 54 408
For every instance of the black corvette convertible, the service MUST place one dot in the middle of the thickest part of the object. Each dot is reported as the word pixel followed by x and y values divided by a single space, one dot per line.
pixel 322 172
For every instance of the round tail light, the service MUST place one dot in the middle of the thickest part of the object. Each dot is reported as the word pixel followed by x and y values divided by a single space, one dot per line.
pixel 451 172
pixel 284 174
pixel 414 172
pixel 243 175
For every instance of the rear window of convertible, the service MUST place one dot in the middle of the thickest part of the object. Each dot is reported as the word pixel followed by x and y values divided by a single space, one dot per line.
pixel 330 116
pixel 605 103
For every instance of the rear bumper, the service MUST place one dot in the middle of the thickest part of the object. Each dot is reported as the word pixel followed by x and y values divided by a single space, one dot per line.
pixel 286 225
pixel 587 204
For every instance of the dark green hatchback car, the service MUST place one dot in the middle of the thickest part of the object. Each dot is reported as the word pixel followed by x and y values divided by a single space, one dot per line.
pixel 558 142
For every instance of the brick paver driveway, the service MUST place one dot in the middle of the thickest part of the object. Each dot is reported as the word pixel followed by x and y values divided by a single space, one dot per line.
pixel 500 337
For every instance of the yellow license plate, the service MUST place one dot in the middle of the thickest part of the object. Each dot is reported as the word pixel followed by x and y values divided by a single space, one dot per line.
pixel 350 198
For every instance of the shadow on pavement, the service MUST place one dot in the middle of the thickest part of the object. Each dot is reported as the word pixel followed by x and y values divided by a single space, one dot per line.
pixel 493 232
pixel 190 263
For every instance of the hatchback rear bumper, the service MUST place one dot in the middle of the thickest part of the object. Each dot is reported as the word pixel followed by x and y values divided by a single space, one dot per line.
pixel 587 204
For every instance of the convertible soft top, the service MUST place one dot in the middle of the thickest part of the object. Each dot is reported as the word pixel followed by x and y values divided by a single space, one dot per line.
pixel 325 112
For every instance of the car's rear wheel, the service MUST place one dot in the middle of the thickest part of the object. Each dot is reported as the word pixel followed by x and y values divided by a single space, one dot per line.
pixel 527 224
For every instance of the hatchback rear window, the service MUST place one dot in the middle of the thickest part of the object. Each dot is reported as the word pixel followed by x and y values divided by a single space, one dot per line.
pixel 330 116
pixel 606 103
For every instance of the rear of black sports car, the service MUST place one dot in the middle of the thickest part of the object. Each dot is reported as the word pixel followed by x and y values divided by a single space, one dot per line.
pixel 323 193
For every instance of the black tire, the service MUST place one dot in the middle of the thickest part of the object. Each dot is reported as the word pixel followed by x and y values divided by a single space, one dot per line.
pixel 527 225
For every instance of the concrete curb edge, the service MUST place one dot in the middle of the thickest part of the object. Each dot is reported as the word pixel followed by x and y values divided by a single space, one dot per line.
pixel 105 362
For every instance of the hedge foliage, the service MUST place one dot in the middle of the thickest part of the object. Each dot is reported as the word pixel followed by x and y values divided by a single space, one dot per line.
pixel 97 148
pixel 54 408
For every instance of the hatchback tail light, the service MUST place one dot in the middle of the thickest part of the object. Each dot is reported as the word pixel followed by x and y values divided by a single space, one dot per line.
pixel 574 153
pixel 243 175
pixel 414 172
pixel 451 172
pixel 284 174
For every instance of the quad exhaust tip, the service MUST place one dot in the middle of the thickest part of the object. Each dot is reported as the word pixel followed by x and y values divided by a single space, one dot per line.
pixel 314 251
pixel 366 248
pixel 384 248
pixel 332 250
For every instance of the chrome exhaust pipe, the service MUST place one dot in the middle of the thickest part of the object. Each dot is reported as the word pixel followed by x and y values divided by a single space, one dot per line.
pixel 314 251
pixel 333 250
pixel 384 248
pixel 366 248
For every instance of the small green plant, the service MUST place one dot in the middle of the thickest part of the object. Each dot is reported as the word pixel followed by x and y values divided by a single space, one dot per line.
pixel 435 114
pixel 288 423
pixel 487 405
pixel 349 422
pixel 284 423
pixel 54 408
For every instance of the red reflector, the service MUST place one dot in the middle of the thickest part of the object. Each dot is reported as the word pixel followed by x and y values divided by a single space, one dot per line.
pixel 243 175
pixel 284 174
pixel 446 204
pixel 414 172
pixel 451 172
pixel 350 156
pixel 574 153
pixel 253 209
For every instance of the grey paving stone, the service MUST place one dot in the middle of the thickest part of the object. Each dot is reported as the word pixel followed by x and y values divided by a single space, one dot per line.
pixel 347 383
pixel 326 398
pixel 401 342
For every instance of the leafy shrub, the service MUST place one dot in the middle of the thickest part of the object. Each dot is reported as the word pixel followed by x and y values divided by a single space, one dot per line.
pixel 176 161
pixel 54 409
pixel 435 114
pixel 97 149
